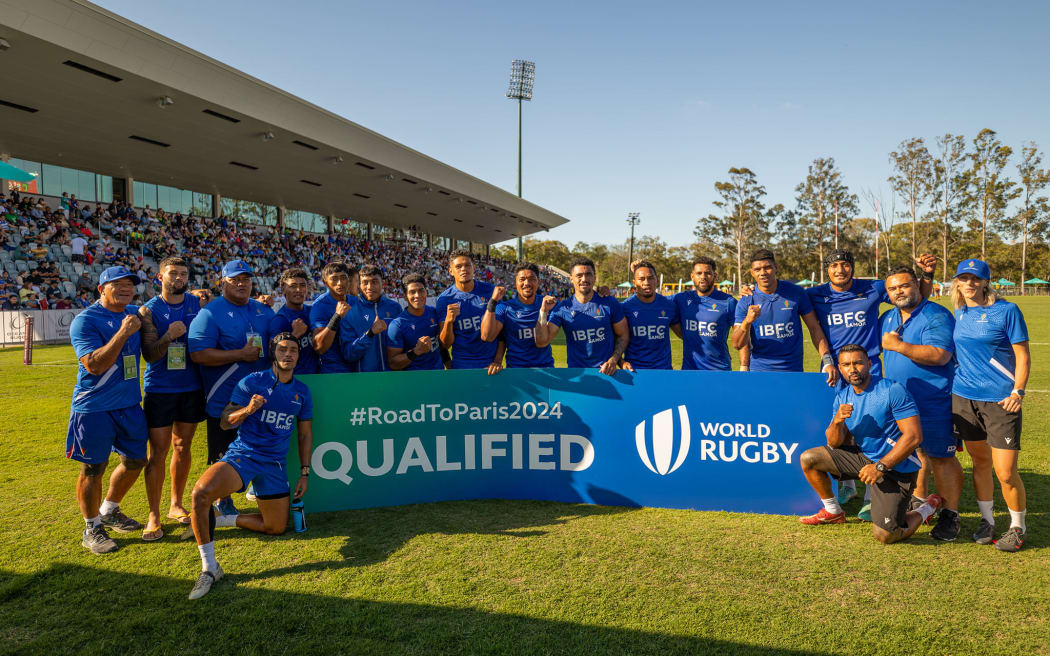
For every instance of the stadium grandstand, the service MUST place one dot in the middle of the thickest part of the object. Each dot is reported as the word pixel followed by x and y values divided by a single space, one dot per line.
pixel 185 155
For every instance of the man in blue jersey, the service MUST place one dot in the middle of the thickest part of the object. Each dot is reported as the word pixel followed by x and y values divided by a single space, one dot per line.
pixel 707 316
pixel 413 335
pixel 872 437
pixel 227 339
pixel 264 408
pixel 770 320
pixel 461 307
pixel 596 331
pixel 105 415
pixel 363 339
pixel 174 402
pixel 918 347
pixel 328 310
pixel 652 317
pixel 848 310
pixel 514 319
pixel 294 318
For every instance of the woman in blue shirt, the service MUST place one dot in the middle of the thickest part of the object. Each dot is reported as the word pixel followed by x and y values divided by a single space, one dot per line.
pixel 991 347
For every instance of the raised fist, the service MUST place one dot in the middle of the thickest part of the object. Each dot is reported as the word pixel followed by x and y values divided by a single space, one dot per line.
pixel 257 402
pixel 548 303
pixel 423 346
pixel 378 326
pixel 341 308
pixel 452 312
pixel 753 312
pixel 498 292
pixel 130 325
pixel 176 330
pixel 845 411
pixel 299 328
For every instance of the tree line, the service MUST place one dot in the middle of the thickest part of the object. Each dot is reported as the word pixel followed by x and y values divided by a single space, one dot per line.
pixel 961 198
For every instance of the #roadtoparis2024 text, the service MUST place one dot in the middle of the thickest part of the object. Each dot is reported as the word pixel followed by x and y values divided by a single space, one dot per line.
pixel 429 412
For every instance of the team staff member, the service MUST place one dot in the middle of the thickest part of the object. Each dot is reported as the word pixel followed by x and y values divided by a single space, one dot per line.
pixel 514 319
pixel 770 320
pixel 263 409
pixel 651 317
pixel 991 346
pixel 461 306
pixel 596 332
pixel 174 402
pixel 707 318
pixel 917 346
pixel 227 340
pixel 872 436
pixel 105 415
pixel 414 333
pixel 363 338
pixel 328 310
pixel 294 318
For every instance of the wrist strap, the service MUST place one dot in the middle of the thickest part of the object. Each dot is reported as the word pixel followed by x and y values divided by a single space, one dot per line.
pixel 827 361
pixel 333 323
pixel 491 307
pixel 412 355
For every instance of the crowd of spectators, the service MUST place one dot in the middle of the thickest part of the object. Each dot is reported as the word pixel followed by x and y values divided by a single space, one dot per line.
pixel 61 248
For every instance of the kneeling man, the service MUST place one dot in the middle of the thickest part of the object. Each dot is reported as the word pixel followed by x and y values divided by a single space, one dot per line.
pixel 872 437
pixel 257 456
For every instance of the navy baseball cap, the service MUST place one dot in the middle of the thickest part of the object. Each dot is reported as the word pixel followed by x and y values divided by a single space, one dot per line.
pixel 978 268
pixel 235 268
pixel 114 273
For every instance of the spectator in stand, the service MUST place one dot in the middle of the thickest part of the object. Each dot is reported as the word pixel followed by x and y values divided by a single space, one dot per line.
pixel 78 244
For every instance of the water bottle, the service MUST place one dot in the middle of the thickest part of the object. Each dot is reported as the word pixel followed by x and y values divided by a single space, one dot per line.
pixel 298 516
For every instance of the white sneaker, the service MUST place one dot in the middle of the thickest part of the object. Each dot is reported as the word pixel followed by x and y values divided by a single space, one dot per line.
pixel 204 583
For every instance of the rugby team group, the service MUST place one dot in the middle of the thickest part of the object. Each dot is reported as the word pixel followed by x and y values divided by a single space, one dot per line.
pixel 912 386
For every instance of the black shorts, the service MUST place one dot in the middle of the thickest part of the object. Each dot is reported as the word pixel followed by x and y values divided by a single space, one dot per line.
pixel 977 421
pixel 219 440
pixel 163 409
pixel 889 497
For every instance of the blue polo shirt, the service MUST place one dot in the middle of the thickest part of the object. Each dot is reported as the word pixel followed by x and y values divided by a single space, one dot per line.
pixel 468 349
pixel 519 333
pixel 282 323
pixel 331 361
pixel 776 336
pixel 226 326
pixel 406 330
pixel 984 339
pixel 852 316
pixel 589 336
pixel 158 378
pixel 116 388
pixel 706 322
pixel 361 350
pixel 266 431
pixel 650 323
pixel 930 386
pixel 873 423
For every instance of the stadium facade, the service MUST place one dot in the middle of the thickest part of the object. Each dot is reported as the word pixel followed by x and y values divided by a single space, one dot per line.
pixel 105 109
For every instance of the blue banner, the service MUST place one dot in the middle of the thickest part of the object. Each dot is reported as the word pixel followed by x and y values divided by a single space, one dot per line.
pixel 671 439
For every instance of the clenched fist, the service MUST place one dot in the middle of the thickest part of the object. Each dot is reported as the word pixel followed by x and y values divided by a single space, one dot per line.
pixel 753 313
pixel 378 326
pixel 845 411
pixel 423 346
pixel 498 292
pixel 176 330
pixel 341 308
pixel 130 325
pixel 548 303
pixel 452 312
pixel 257 402
pixel 299 328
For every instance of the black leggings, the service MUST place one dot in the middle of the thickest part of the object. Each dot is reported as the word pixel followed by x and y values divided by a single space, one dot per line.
pixel 219 439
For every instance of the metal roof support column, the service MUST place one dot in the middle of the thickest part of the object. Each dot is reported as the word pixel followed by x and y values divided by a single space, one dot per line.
pixel 280 218
pixel 369 231
pixel 129 191
pixel 331 224
pixel 216 205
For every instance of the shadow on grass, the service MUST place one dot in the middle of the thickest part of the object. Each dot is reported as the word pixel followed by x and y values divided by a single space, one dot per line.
pixel 76 609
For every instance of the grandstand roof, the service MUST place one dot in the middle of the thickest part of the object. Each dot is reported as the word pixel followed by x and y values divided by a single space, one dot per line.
pixel 69 59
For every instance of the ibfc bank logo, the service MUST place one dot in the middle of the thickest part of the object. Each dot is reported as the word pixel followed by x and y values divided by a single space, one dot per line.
pixel 660 441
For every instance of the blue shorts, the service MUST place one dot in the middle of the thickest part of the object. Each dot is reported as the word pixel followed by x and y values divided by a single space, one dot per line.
pixel 939 439
pixel 93 435
pixel 267 476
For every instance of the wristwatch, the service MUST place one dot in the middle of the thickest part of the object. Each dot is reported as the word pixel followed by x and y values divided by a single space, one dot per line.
pixel 1019 392
pixel 304 471
pixel 881 468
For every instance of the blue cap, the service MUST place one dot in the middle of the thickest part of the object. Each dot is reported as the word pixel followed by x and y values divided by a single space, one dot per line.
pixel 235 268
pixel 114 273
pixel 978 268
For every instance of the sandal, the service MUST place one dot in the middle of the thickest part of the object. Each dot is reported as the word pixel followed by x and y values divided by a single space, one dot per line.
pixel 181 518
pixel 153 536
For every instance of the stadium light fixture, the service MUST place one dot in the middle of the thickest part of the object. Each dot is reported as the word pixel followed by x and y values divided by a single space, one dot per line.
pixel 165 101
pixel 268 135
pixel 632 220
pixel 522 77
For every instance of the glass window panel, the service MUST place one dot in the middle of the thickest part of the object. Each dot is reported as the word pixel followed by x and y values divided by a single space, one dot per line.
pixel 104 192
pixel 52 180
pixel 86 186
pixel 69 180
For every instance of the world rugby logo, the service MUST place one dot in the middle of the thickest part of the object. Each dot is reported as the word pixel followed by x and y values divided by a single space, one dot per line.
pixel 660 441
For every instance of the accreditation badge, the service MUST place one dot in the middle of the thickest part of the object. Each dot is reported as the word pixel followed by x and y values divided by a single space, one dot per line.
pixel 176 357
pixel 131 367
pixel 254 339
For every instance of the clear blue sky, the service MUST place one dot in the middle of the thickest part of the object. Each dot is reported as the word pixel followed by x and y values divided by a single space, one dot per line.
pixel 641 106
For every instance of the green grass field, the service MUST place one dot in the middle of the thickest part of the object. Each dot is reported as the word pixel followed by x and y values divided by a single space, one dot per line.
pixel 500 577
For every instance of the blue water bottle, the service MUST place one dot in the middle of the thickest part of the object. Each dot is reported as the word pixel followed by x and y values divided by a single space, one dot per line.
pixel 298 515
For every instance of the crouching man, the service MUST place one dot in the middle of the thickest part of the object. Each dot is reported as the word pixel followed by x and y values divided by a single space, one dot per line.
pixel 264 408
pixel 872 437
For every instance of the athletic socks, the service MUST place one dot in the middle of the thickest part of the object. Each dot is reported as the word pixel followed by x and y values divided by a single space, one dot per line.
pixel 1017 520
pixel 850 485
pixel 93 522
pixel 986 511
pixel 208 562
pixel 867 494
pixel 832 506
pixel 107 507
pixel 925 510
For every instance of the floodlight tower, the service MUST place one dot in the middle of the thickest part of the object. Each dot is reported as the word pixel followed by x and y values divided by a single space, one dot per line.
pixel 522 75
pixel 632 220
